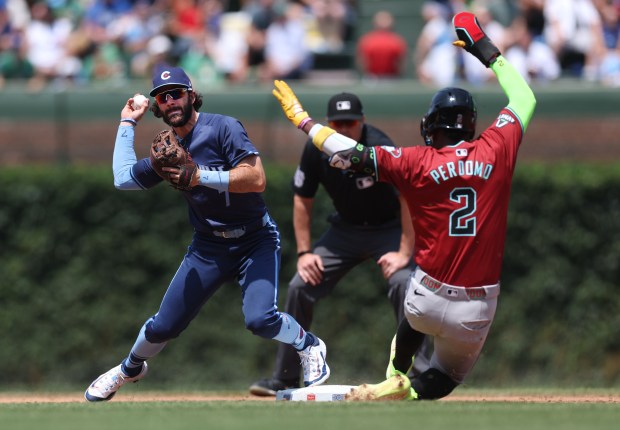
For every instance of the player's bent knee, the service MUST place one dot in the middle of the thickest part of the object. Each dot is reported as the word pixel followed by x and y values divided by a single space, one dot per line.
pixel 157 334
pixel 264 325
pixel 432 385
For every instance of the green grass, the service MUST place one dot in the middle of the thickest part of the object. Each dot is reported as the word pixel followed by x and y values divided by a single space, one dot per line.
pixel 311 416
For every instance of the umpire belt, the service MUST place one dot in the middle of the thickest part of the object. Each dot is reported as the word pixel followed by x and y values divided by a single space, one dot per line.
pixel 240 231
pixel 454 292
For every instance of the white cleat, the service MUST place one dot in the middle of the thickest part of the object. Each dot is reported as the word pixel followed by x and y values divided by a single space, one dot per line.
pixel 105 386
pixel 316 370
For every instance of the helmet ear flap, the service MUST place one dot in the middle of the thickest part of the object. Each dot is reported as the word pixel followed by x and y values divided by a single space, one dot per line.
pixel 424 130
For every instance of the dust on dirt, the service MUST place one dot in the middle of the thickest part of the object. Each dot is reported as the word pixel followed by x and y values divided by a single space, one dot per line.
pixel 21 398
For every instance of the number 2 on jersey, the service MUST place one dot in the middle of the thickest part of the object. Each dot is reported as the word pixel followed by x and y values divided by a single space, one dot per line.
pixel 462 220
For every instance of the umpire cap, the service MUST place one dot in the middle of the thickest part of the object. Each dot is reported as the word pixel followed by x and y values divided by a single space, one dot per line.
pixel 344 106
pixel 165 75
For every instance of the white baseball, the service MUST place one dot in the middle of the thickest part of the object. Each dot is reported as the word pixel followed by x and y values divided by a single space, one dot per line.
pixel 138 101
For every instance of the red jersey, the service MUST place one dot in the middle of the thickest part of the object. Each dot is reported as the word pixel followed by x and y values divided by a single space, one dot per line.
pixel 382 53
pixel 458 199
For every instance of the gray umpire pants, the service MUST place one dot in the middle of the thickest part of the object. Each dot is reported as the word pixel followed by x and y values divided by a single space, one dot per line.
pixel 342 247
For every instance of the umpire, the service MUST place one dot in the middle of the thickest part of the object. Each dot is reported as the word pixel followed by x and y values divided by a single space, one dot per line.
pixel 366 224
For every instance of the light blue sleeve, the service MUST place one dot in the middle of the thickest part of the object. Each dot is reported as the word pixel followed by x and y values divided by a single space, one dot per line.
pixel 124 158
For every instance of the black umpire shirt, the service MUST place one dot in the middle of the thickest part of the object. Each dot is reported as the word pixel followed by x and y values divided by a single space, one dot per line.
pixel 358 199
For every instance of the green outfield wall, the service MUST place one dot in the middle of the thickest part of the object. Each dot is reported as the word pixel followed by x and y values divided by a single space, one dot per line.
pixel 574 121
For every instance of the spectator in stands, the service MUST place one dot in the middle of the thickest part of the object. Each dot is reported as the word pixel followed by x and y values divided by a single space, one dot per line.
pixel 286 54
pixel 504 11
pixel 230 50
pixel 610 66
pixel 13 62
pixel 185 26
pixel 99 25
pixel 46 41
pixel 573 30
pixel 99 17
pixel 158 51
pixel 530 55
pixel 139 35
pixel 435 57
pixel 202 54
pixel 381 53
pixel 262 14
pixel 18 12
pixel 330 18
pixel 532 13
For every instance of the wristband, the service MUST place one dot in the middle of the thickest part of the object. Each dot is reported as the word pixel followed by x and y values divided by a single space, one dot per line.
pixel 214 179
pixel 133 121
pixel 299 254
pixel 304 122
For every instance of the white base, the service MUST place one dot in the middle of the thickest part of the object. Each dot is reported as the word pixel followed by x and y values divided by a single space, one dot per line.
pixel 321 393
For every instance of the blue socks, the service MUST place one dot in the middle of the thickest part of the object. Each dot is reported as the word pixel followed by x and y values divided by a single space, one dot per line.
pixel 309 340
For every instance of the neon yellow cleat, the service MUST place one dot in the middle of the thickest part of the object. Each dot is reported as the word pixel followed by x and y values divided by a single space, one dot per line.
pixel 397 387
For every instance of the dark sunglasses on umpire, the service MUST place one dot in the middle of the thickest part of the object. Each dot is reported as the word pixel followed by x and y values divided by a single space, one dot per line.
pixel 176 94
pixel 344 123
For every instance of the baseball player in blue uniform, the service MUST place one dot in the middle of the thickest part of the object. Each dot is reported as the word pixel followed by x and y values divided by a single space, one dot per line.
pixel 234 236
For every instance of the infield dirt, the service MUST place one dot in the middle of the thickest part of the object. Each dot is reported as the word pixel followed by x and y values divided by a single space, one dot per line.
pixel 17 398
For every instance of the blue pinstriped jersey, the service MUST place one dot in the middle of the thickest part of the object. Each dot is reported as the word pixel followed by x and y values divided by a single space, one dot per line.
pixel 217 142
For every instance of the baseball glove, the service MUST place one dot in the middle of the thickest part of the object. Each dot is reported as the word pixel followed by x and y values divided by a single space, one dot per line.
pixel 167 152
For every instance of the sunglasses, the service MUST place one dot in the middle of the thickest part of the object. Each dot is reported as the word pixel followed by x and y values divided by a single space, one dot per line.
pixel 344 123
pixel 176 94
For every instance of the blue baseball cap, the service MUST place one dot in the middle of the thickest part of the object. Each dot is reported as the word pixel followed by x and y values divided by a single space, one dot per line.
pixel 165 75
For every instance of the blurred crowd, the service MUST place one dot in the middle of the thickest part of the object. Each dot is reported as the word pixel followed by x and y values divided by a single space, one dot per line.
pixel 48 42
pixel 544 39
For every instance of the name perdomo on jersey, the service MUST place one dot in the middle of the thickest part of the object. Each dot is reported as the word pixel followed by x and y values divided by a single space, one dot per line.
pixel 453 169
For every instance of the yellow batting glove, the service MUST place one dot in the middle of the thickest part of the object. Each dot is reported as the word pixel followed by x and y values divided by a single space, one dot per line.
pixel 290 105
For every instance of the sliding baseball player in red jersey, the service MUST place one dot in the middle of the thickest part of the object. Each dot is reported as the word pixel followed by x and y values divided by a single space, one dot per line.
pixel 457 188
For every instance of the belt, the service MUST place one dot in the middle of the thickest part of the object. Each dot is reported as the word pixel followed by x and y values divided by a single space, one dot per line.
pixel 337 219
pixel 451 291
pixel 236 233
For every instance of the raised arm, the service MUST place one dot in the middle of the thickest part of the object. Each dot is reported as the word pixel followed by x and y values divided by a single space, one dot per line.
pixel 345 153
pixel 124 156
pixel 474 40
pixel 521 99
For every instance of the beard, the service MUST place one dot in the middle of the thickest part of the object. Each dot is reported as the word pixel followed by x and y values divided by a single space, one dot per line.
pixel 178 116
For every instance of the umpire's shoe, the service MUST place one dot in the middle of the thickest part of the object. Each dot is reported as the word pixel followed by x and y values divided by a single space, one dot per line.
pixel 270 386
pixel 316 370
pixel 105 386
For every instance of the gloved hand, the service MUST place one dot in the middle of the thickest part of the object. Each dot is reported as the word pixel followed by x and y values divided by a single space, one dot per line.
pixel 290 105
pixel 171 161
pixel 473 39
